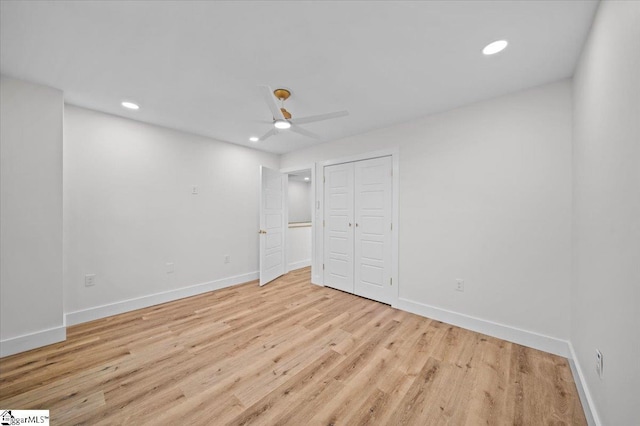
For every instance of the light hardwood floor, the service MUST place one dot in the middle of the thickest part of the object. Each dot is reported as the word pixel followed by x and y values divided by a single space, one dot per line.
pixel 287 353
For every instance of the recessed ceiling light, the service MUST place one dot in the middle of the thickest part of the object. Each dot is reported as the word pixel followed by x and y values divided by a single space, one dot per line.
pixel 495 47
pixel 130 105
pixel 254 139
pixel 282 124
pixel 307 178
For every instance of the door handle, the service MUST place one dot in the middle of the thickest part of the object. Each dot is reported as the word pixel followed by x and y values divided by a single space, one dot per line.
pixel 262 232
pixel 357 224
pixel 349 224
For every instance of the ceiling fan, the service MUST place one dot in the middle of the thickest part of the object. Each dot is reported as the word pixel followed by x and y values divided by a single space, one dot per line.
pixel 282 119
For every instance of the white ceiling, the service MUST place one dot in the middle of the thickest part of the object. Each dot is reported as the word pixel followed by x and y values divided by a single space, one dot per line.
pixel 300 176
pixel 195 66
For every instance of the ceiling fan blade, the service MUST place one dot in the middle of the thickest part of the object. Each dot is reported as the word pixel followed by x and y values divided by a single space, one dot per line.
pixel 268 134
pixel 299 130
pixel 320 117
pixel 267 94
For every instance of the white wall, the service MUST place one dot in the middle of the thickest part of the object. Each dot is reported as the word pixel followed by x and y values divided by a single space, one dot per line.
pixel 606 214
pixel 129 210
pixel 485 195
pixel 299 201
pixel 298 247
pixel 30 215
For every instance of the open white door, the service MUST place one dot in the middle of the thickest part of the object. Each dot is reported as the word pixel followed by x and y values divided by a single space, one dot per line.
pixel 272 204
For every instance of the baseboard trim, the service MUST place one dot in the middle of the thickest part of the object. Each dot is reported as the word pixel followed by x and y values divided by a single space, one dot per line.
pixel 588 406
pixel 297 265
pixel 85 315
pixel 490 328
pixel 32 341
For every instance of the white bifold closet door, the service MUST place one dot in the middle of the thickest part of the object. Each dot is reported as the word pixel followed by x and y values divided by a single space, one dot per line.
pixel 338 227
pixel 372 253
pixel 357 243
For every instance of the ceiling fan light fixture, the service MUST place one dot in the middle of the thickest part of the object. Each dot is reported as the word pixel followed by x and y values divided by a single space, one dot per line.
pixel 282 124
pixel 495 47
pixel 130 105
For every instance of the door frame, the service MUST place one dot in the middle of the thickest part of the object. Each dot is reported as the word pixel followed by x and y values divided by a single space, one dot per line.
pixel 317 274
pixel 286 172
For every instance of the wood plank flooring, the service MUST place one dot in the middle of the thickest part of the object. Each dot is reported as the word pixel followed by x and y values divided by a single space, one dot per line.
pixel 287 353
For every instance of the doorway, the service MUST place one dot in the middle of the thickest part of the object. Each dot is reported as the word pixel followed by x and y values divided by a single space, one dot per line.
pixel 299 213
pixel 286 232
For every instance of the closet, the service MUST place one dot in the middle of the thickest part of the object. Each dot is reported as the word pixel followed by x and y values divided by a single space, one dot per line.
pixel 357 228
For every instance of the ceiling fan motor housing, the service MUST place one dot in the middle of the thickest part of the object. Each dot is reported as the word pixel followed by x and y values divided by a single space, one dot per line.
pixel 286 113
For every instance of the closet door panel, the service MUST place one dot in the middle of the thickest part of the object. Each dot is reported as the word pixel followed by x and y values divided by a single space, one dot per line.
pixel 372 250
pixel 338 226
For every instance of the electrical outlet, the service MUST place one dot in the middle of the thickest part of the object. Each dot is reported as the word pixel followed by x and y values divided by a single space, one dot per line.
pixel 170 268
pixel 599 363
pixel 194 190
pixel 459 285
pixel 89 280
pixel 227 258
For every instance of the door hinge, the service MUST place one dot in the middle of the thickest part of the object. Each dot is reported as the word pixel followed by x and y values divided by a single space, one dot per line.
pixel 324 179
pixel 323 266
pixel 390 281
pixel 392 226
